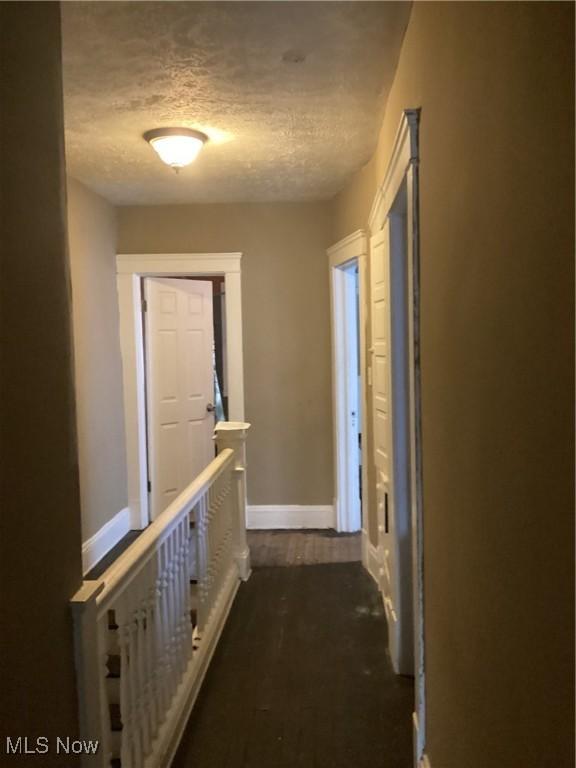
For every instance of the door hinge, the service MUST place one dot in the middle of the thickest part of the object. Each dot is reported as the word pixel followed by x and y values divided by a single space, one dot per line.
pixel 144 305
pixel 149 486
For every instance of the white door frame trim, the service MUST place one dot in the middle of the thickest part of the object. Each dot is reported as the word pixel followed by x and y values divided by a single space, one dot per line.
pixel 403 167
pixel 351 248
pixel 130 268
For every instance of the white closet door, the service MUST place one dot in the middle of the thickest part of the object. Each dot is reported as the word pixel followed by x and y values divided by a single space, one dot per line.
pixel 180 384
pixel 382 403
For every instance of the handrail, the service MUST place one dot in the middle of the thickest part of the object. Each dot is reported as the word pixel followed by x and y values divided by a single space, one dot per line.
pixel 134 557
pixel 144 633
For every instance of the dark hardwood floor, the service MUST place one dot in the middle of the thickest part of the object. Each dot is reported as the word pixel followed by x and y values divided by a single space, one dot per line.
pixel 112 556
pixel 303 547
pixel 301 678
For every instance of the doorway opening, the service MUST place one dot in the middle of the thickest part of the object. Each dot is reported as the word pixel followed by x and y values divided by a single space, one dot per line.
pixel 347 301
pixel 391 418
pixel 200 269
pixel 219 328
pixel 396 409
pixel 349 437
pixel 220 366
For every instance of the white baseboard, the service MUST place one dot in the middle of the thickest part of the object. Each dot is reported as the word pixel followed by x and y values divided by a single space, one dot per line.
pixel 371 558
pixel 103 540
pixel 364 544
pixel 290 516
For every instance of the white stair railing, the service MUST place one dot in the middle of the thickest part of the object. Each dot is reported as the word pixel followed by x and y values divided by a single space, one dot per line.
pixel 145 632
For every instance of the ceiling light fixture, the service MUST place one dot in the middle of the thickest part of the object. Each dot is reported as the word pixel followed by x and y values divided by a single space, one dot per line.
pixel 177 147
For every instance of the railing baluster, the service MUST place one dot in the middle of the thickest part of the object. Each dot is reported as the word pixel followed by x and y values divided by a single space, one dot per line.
pixel 167 603
pixel 149 641
pixel 173 611
pixel 168 615
pixel 132 619
pixel 186 603
pixel 160 634
pixel 180 597
pixel 164 661
pixel 126 754
pixel 141 672
pixel 153 635
pixel 202 563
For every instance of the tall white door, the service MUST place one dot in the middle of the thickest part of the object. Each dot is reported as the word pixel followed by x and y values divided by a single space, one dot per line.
pixel 383 439
pixel 179 384
pixel 380 296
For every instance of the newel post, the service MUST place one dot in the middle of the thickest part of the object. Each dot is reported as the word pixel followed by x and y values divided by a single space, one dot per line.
pixel 90 669
pixel 232 434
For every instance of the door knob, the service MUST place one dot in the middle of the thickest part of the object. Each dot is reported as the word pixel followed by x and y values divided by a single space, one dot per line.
pixel 210 408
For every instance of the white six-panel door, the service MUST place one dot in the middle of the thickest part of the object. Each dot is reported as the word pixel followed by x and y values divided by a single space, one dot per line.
pixel 382 430
pixel 180 384
pixel 380 289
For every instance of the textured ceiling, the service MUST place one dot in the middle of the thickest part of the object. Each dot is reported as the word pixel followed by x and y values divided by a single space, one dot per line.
pixel 289 93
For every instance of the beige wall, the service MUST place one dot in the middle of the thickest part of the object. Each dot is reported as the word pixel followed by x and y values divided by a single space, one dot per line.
pixel 495 83
pixel 40 566
pixel 98 365
pixel 286 329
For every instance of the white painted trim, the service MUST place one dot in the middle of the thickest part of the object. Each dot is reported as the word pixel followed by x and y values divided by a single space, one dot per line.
pixel 403 168
pixel 132 352
pixel 423 761
pixel 416 751
pixel 364 541
pixel 98 545
pixel 350 249
pixel 280 516
pixel 404 153
pixel 365 377
pixel 130 268
pixel 172 729
pixel 373 561
pixel 150 264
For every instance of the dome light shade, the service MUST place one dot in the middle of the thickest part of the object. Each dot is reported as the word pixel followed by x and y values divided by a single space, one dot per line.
pixel 176 147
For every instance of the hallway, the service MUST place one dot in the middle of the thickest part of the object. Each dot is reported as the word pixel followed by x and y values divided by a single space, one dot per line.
pixel 300 678
pixel 303 547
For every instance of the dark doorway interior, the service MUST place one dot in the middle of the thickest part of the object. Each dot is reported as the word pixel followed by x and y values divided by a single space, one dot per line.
pixel 219 315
